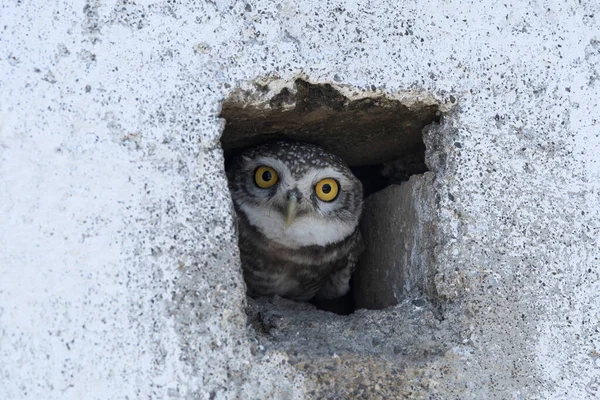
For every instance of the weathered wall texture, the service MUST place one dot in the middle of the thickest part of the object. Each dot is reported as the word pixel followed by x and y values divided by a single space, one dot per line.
pixel 119 275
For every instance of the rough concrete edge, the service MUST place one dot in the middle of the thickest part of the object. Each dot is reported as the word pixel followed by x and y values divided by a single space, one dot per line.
pixel 425 234
pixel 443 287
pixel 257 93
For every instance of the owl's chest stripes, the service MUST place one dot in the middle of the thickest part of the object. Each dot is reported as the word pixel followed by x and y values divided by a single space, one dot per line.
pixel 270 268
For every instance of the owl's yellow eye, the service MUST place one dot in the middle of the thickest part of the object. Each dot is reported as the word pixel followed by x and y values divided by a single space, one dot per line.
pixel 327 189
pixel 265 177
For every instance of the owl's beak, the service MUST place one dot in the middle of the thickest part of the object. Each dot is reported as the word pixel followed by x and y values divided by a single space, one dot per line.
pixel 291 209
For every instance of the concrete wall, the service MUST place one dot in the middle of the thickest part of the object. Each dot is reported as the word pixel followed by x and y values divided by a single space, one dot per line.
pixel 119 275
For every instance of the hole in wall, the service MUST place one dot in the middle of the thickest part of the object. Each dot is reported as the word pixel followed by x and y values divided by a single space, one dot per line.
pixel 381 139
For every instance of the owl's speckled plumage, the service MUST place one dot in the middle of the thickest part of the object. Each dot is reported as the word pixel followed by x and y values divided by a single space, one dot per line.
pixel 316 254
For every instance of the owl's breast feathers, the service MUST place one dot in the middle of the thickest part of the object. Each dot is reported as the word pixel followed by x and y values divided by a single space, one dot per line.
pixel 271 268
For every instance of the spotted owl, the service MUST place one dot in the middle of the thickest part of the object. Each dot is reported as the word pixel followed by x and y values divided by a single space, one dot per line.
pixel 298 210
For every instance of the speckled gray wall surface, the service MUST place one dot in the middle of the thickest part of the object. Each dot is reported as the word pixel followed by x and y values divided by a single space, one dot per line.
pixel 119 275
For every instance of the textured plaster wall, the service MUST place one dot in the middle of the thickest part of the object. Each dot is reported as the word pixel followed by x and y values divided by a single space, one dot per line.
pixel 118 266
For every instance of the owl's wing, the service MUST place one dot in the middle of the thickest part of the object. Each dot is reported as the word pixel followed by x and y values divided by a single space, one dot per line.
pixel 338 283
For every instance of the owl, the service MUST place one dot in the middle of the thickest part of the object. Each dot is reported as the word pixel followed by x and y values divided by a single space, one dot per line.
pixel 298 209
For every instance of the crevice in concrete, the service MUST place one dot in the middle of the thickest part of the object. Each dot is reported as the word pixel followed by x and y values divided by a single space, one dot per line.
pixel 381 138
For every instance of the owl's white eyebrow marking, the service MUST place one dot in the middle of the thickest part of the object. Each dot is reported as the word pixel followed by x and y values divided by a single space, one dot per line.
pixel 315 175
pixel 274 163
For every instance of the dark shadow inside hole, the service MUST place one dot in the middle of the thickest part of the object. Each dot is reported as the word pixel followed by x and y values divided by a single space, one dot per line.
pixel 344 305
pixel 380 138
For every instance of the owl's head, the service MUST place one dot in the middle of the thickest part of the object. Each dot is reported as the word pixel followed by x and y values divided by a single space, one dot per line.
pixel 296 194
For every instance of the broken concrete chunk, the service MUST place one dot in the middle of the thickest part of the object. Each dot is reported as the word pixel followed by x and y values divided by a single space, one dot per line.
pixel 398 232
